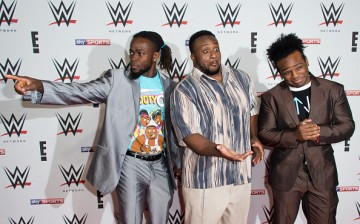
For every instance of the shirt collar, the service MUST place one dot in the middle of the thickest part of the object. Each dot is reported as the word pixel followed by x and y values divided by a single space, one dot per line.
pixel 224 71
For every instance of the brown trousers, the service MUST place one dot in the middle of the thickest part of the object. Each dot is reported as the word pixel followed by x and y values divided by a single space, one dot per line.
pixel 318 206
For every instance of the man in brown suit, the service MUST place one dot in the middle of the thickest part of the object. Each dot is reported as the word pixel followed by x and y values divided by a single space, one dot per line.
pixel 300 118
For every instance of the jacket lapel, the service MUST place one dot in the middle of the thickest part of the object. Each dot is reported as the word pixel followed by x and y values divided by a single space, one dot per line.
pixel 316 97
pixel 135 87
pixel 288 100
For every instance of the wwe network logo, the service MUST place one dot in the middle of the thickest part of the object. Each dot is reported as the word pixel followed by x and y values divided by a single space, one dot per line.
pixel 178 70
pixel 7 13
pixel 75 219
pixel 228 16
pixel 268 214
pixel 9 68
pixel 72 176
pixel 18 178
pixel 331 15
pixel 281 15
pixel 328 68
pixel 69 124
pixel 274 72
pixel 175 15
pixel 233 65
pixel 22 221
pixel 119 14
pixel 13 126
pixel 121 64
pixel 62 14
pixel 66 70
pixel 176 218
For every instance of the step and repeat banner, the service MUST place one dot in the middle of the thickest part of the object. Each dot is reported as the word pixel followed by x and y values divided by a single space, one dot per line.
pixel 45 150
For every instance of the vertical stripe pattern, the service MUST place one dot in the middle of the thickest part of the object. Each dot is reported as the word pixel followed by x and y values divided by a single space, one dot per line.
pixel 221 113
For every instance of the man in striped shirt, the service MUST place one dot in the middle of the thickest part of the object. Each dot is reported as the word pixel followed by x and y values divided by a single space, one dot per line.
pixel 214 112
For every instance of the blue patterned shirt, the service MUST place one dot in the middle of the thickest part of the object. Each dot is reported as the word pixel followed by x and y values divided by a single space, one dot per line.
pixel 221 113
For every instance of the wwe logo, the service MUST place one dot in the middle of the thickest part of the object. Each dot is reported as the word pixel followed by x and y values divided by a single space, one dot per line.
pixel 176 218
pixel 174 15
pixel 66 70
pixel 357 204
pixel 121 64
pixel 274 72
pixel 280 15
pixel 72 176
pixel 62 14
pixel 268 214
pixel 18 178
pixel 22 221
pixel 328 68
pixel 228 16
pixel 75 219
pixel 233 65
pixel 7 13
pixel 331 15
pixel 13 126
pixel 9 68
pixel 69 123
pixel 178 70
pixel 119 14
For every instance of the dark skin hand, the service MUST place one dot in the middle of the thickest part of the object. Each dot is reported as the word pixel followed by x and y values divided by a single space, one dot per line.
pixel 256 146
pixel 258 150
pixel 307 130
pixel 24 84
pixel 202 146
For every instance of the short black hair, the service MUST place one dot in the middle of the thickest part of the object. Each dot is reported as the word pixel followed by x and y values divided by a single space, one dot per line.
pixel 197 35
pixel 284 46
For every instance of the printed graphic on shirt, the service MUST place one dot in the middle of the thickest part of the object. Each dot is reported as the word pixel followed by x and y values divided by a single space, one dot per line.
pixel 148 136
pixel 302 103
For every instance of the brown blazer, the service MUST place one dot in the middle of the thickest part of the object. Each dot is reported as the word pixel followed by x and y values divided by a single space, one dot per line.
pixel 278 120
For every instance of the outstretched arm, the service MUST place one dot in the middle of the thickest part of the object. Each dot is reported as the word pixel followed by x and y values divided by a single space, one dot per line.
pixel 202 146
pixel 24 84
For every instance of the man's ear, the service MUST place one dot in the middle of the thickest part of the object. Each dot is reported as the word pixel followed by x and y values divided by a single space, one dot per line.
pixel 192 56
pixel 156 56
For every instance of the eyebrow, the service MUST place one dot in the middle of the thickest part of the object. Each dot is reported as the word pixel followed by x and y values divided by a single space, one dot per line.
pixel 216 43
pixel 292 66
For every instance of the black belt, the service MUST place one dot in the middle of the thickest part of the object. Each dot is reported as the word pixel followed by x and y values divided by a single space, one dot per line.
pixel 147 157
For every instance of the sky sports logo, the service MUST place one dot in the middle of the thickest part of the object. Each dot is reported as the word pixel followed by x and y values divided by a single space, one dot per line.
pixel 92 42
pixel 258 192
pixel 347 188
pixel 87 149
pixel 50 201
pixel 311 41
pixel 352 92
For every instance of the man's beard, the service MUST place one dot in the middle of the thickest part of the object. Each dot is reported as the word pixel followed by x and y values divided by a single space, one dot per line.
pixel 207 71
pixel 135 75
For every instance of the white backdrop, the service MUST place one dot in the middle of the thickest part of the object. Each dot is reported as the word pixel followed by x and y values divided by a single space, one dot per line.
pixel 45 150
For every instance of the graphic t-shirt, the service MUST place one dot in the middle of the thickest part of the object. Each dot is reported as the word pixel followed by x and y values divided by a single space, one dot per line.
pixel 149 133
pixel 302 97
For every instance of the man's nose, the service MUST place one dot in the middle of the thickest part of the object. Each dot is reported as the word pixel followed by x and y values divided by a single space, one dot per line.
pixel 133 57
pixel 213 54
